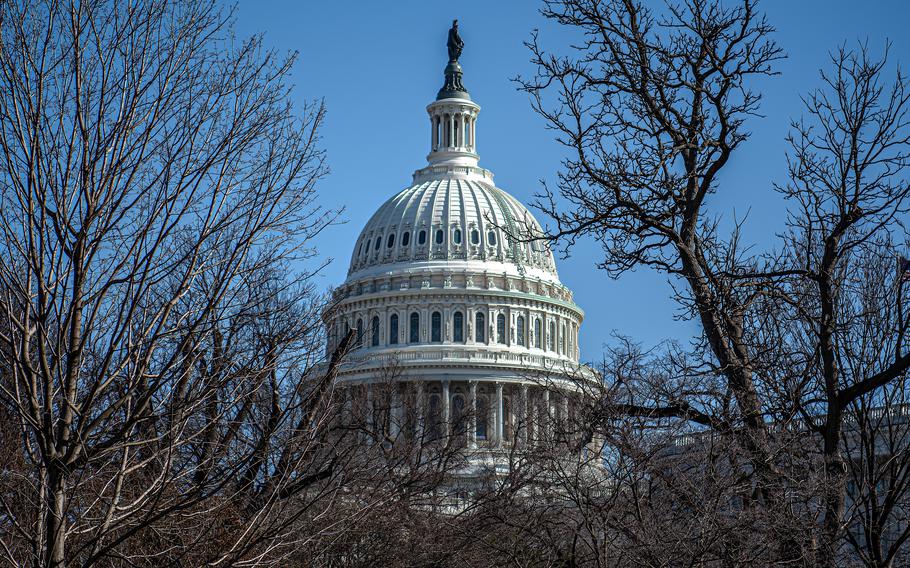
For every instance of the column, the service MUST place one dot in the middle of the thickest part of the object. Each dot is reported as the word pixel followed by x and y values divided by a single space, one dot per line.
pixel 500 417
pixel 446 410
pixel 545 419
pixel 451 141
pixel 524 416
pixel 420 411
pixel 473 134
pixel 368 419
pixel 396 416
pixel 433 133
pixel 472 409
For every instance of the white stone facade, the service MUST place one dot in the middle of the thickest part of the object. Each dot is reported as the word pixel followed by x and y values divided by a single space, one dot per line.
pixel 447 285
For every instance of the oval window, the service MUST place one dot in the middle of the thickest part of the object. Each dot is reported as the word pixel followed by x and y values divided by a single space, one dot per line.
pixel 475 237
pixel 491 238
pixel 391 241
pixel 422 238
pixel 456 236
pixel 378 242
pixel 439 236
pixel 405 238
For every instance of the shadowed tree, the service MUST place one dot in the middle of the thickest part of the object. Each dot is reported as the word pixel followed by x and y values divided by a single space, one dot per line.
pixel 161 399
pixel 651 103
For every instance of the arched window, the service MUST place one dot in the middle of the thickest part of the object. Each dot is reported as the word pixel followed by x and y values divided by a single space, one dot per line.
pixel 414 336
pixel 360 249
pixel 436 327
pixel 483 413
pixel 537 333
pixel 551 339
pixel 479 328
pixel 391 241
pixel 467 132
pixel 422 238
pixel 458 327
pixel 501 329
pixel 491 238
pixel 456 236
pixel 378 242
pixel 374 332
pixel 393 329
pixel 359 332
pixel 475 237
pixel 439 236
pixel 520 330
pixel 562 338
pixel 405 238
pixel 455 136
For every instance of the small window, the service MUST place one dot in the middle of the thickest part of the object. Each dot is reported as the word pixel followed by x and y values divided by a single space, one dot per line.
pixel 436 327
pixel 406 238
pixel 378 242
pixel 393 329
pixel 491 238
pixel 439 236
pixel 359 332
pixel 537 333
pixel 520 330
pixel 391 242
pixel 456 236
pixel 360 249
pixel 501 329
pixel 374 340
pixel 415 328
pixel 475 237
pixel 551 339
pixel 422 238
pixel 458 327
pixel 479 328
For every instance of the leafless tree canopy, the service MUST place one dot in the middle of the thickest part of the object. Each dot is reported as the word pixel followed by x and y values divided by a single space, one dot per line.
pixel 165 401
pixel 159 335
pixel 801 351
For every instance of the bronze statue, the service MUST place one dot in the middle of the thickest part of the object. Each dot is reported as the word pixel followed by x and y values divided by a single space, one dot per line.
pixel 455 43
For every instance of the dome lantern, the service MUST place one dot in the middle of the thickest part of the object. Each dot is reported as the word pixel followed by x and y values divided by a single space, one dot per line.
pixel 453 115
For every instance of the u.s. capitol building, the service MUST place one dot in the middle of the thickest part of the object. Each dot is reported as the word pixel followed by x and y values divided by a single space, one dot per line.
pixel 455 304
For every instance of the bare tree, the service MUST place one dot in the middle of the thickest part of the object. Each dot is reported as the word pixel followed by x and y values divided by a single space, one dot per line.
pixel 163 398
pixel 651 104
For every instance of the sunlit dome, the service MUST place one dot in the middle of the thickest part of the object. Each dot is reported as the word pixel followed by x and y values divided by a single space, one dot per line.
pixel 454 221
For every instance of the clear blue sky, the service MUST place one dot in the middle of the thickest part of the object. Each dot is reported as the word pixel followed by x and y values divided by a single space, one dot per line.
pixel 378 64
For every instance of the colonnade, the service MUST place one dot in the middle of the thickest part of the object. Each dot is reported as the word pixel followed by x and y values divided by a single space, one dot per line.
pixel 486 413
pixel 453 130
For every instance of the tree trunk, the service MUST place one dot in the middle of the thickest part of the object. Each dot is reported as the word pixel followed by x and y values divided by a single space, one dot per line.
pixel 55 520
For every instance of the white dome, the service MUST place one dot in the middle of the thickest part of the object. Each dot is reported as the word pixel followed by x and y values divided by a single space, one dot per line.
pixel 461 222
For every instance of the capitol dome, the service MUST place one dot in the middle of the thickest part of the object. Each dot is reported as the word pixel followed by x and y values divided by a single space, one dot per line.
pixel 452 287
pixel 456 221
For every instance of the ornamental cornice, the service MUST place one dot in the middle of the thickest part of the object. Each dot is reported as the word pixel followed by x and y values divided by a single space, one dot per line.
pixel 478 358
pixel 479 296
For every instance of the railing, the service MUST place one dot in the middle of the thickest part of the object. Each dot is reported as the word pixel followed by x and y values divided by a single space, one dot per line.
pixel 468 356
